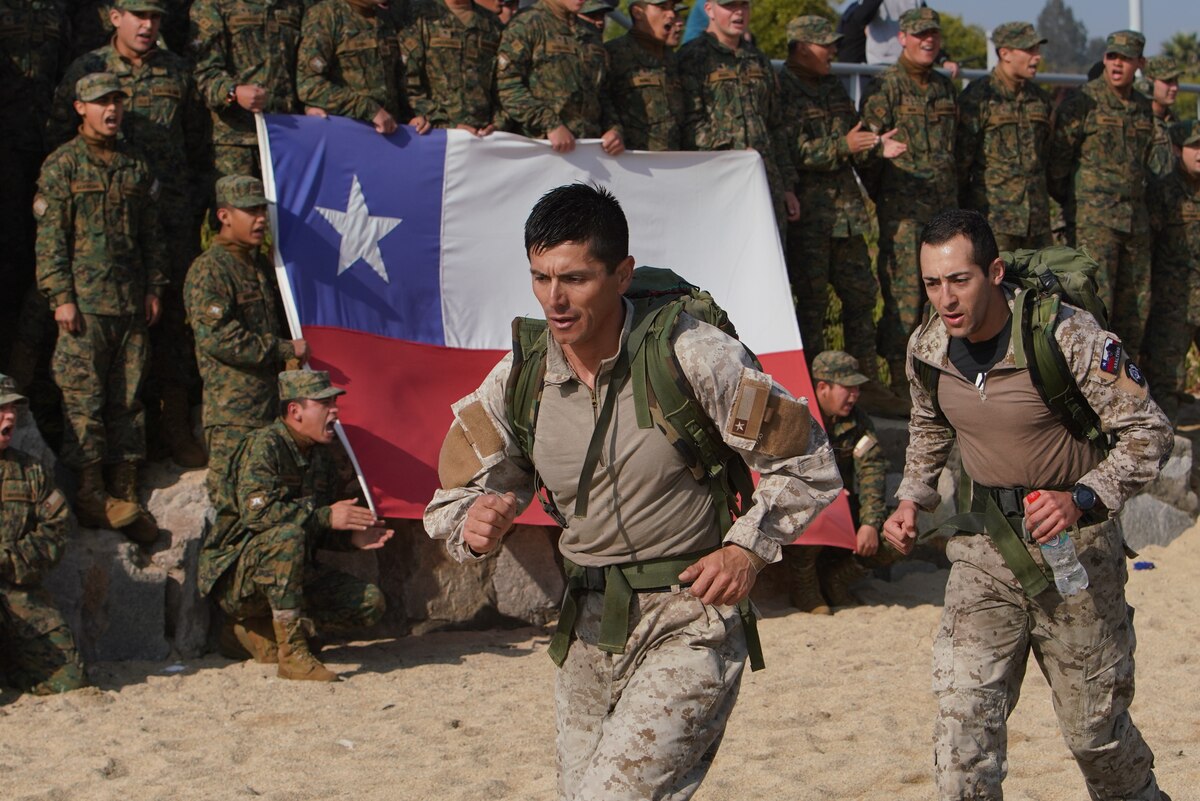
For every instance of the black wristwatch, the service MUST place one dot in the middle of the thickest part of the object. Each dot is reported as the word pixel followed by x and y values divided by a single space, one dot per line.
pixel 1083 497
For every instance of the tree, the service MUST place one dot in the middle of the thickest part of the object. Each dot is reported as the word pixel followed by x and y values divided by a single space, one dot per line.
pixel 769 19
pixel 1184 48
pixel 966 44
pixel 1067 48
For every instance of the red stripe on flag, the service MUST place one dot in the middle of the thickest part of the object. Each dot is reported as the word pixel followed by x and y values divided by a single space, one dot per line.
pixel 396 412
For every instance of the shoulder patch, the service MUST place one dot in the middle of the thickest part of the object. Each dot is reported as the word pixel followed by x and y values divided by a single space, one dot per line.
pixel 480 431
pixel 1132 381
pixel 40 206
pixel 787 428
pixel 749 408
pixel 1110 362
pixel 457 460
pixel 54 501
pixel 864 445
pixel 256 501
pixel 1135 375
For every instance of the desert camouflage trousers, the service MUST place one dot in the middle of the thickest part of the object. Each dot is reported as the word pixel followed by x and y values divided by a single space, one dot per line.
pixel 1124 279
pixel 647 723
pixel 37 651
pixel 277 571
pixel 1084 645
pixel 100 371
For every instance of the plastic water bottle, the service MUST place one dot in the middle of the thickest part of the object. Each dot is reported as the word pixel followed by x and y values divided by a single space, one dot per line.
pixel 1059 553
pixel 1069 575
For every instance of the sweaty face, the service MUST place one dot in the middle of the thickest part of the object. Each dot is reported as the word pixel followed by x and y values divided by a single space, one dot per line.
pixel 136 30
pixel 1022 63
pixel 8 424
pixel 657 21
pixel 102 117
pixel 729 20
pixel 316 419
pixel 1165 92
pixel 921 48
pixel 1120 71
pixel 244 226
pixel 580 297
pixel 966 296
pixel 836 400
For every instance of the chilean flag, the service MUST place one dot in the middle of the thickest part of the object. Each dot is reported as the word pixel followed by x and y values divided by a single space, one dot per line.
pixel 401 260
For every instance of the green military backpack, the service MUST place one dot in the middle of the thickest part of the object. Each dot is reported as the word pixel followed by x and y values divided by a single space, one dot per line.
pixel 662 394
pixel 1044 279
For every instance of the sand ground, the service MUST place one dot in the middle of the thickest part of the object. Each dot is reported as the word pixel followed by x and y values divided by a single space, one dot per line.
pixel 843 711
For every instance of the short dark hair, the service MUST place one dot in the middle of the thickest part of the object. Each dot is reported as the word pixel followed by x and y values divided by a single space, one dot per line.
pixel 583 213
pixel 285 403
pixel 963 222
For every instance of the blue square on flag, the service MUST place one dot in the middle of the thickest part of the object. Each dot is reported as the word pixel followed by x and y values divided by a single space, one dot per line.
pixel 359 225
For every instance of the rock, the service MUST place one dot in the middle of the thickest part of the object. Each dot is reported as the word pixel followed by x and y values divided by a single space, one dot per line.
pixel 528 578
pixel 1173 485
pixel 1147 520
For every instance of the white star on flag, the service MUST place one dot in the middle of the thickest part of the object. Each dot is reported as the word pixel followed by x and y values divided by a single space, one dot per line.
pixel 361 232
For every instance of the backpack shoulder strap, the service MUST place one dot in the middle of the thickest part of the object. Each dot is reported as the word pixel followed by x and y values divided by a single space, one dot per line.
pixel 523 392
pixel 927 374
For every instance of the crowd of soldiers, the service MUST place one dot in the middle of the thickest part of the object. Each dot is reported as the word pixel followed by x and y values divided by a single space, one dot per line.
pixel 133 131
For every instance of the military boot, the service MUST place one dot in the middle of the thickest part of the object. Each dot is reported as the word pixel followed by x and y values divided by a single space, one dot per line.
pixel 175 429
pixel 838 578
pixel 295 660
pixel 121 479
pixel 804 589
pixel 253 638
pixel 875 398
pixel 95 508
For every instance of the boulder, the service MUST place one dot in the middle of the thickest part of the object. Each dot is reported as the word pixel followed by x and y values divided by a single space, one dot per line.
pixel 1147 520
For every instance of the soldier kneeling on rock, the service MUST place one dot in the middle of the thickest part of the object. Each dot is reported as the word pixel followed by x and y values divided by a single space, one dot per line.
pixel 275 506
pixel 37 650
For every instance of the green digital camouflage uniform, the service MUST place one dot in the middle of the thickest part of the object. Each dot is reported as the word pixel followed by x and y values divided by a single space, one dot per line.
pixel 549 74
pixel 1003 139
pixel 235 42
pixel 272 514
pixel 1174 323
pixel 39 653
pixel 233 308
pixel 826 244
pixel 166 121
pixel 732 102
pixel 100 246
pixel 1162 156
pixel 908 190
pixel 33 53
pixel 646 92
pixel 1099 165
pixel 450 66
pixel 349 62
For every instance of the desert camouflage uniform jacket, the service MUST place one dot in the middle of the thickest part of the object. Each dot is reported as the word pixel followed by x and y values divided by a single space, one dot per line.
pixel 349 62
pixel 1143 437
pixel 164 117
pixel 245 42
pixel 732 102
pixel 1099 158
pixel 646 93
pixel 33 520
pixel 921 182
pixel 548 74
pixel 234 312
pixel 270 482
pixel 862 464
pixel 818 117
pixel 34 49
pixel 99 243
pixel 1003 139
pixel 451 66
pixel 792 488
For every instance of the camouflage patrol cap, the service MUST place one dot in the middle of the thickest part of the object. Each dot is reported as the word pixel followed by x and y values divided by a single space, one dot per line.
pixel 919 20
pixel 142 6
pixel 678 7
pixel 838 367
pixel 240 192
pixel 729 2
pixel 1186 133
pixel 812 29
pixel 1162 68
pixel 1017 35
pixel 307 385
pixel 95 85
pixel 1126 43
pixel 8 391
pixel 595 6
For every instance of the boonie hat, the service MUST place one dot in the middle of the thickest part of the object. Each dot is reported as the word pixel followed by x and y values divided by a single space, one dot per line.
pixel 838 367
pixel 1126 43
pixel 8 391
pixel 1017 35
pixel 1186 133
pixel 97 85
pixel 307 385
pixel 142 6
pixel 240 192
pixel 813 30
pixel 1162 68
pixel 919 20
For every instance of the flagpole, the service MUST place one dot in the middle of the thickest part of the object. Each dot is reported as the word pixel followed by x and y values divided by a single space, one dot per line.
pixel 285 288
